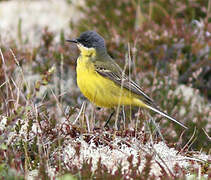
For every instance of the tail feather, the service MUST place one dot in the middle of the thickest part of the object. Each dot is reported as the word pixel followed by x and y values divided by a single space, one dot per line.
pixel 165 115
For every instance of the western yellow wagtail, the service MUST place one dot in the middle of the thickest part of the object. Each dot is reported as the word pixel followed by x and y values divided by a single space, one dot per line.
pixel 103 82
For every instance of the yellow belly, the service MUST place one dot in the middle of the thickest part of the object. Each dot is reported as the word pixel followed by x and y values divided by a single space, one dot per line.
pixel 100 90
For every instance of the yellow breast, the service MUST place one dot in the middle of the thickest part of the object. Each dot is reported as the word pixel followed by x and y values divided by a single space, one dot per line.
pixel 100 90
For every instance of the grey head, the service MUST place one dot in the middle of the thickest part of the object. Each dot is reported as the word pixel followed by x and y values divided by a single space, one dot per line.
pixel 91 39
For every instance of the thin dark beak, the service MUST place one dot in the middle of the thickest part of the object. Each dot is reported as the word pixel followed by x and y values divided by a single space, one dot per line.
pixel 72 40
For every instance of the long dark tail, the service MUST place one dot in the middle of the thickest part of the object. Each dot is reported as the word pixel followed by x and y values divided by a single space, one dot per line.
pixel 165 115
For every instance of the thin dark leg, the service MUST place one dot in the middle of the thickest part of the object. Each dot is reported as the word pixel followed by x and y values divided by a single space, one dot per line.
pixel 109 118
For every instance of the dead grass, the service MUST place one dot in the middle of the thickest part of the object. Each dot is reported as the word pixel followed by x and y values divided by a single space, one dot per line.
pixel 47 130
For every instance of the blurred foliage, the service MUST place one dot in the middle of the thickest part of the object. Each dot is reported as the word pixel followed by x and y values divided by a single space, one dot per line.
pixel 163 30
pixel 169 44
pixel 161 34
pixel 167 49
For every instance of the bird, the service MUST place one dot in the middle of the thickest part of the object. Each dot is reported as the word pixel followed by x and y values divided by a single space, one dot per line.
pixel 103 82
